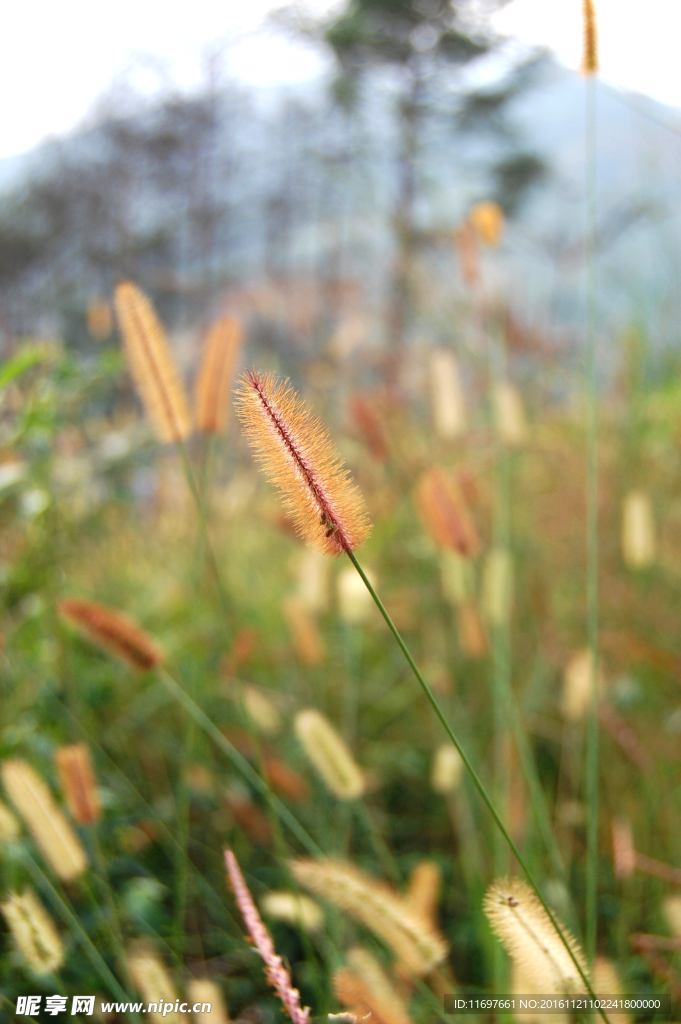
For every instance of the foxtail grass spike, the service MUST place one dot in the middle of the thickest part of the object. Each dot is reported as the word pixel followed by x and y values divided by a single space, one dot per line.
pixel 488 221
pixel 446 770
pixel 151 363
pixel 297 454
pixel 58 843
pixel 294 908
pixel 150 976
pixel 205 991
pixel 447 395
pixel 216 374
pixel 425 883
pixel 329 754
pixel 445 515
pixel 34 932
pixel 518 919
pixel 639 547
pixel 366 990
pixel 590 56
pixel 113 631
pixel 277 975
pixel 379 908
pixel 78 783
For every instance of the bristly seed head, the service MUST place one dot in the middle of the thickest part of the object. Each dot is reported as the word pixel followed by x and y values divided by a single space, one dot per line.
pixel 297 455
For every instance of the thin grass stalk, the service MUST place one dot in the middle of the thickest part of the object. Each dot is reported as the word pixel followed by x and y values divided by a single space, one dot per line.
pixel 239 762
pixel 592 522
pixel 180 906
pixel 203 525
pixel 100 872
pixel 501 640
pixel 69 918
pixel 472 772
pixel 209 892
pixel 383 852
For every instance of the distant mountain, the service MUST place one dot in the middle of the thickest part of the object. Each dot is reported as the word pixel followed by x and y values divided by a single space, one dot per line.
pixel 205 194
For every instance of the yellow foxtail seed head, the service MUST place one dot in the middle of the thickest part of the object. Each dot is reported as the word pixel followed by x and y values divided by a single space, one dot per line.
pixel 312 572
pixel 488 222
pixel 518 919
pixel 672 912
pixel 113 631
pixel 458 580
pixel 329 754
pixel 623 849
pixel 509 414
pixel 150 976
pixel 78 783
pixel 471 632
pixel 355 603
pixel 497 587
pixel 58 843
pixel 34 932
pixel 639 546
pixel 151 364
pixel 590 55
pixel 307 639
pixel 261 711
pixel 378 907
pixel 425 883
pixel 445 773
pixel 294 908
pixel 296 453
pixel 216 374
pixel 449 407
pixel 365 989
pixel 578 685
pixel 202 990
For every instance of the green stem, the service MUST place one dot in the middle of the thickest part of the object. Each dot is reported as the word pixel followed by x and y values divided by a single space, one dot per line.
pixel 203 526
pixel 112 917
pixel 592 525
pixel 181 853
pixel 72 921
pixel 240 762
pixel 381 848
pixel 473 774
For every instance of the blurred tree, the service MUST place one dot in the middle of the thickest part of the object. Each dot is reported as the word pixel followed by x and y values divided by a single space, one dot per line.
pixel 420 38
pixel 424 41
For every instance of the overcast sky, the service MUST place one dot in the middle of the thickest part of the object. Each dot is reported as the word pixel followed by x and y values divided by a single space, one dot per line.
pixel 56 59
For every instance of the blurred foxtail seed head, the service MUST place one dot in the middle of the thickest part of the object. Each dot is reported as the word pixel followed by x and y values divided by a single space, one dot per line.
pixel 45 820
pixel 590 55
pixel 444 513
pixel 203 990
pixel 34 932
pixel 215 375
pixel 78 783
pixel 365 989
pixel 378 907
pixel 328 752
pixel 488 221
pixel 113 631
pixel 151 364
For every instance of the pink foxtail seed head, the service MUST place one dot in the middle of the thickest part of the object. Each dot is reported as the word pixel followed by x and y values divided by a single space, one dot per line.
pixel 277 975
